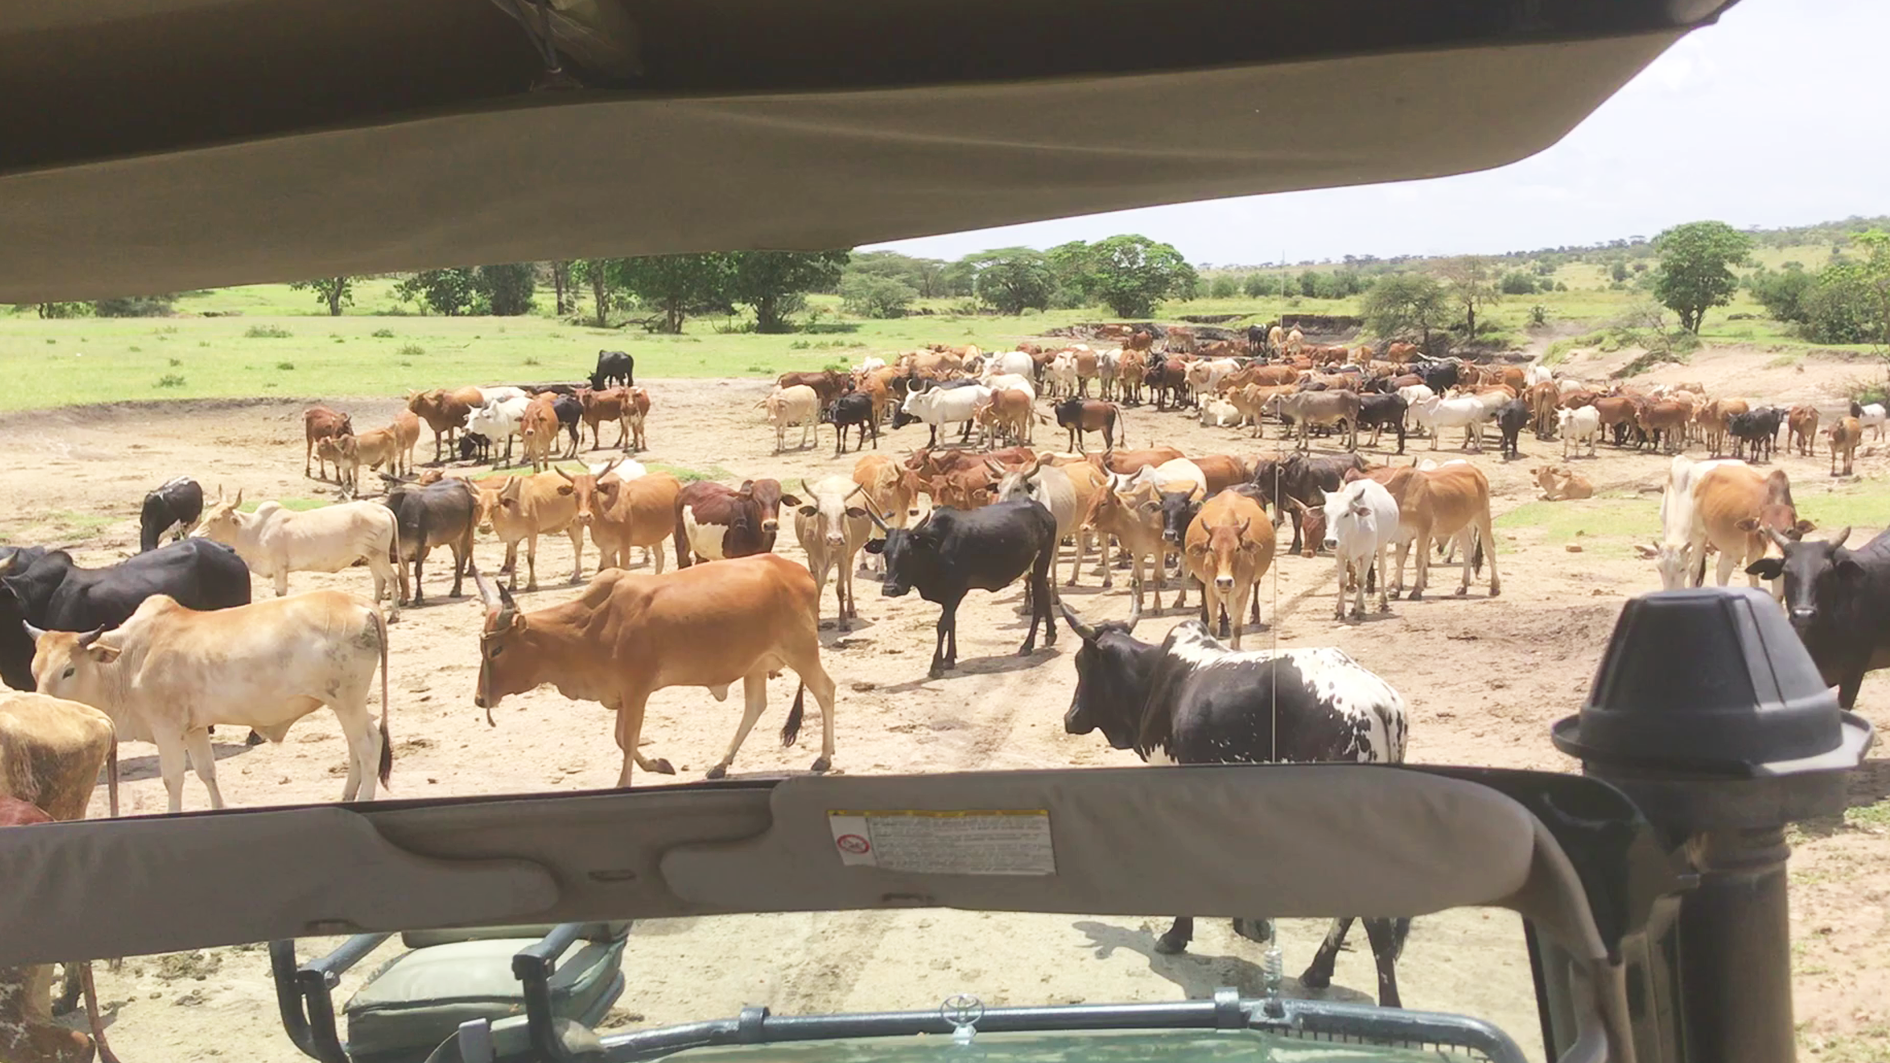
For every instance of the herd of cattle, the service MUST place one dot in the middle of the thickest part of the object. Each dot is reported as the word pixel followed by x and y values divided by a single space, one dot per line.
pixel 168 644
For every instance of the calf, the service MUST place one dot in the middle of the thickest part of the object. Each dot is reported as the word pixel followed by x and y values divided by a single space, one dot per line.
pixel 1803 424
pixel 319 423
pixel 1559 483
pixel 1006 417
pixel 1511 418
pixel 1844 437
pixel 1361 528
pixel 406 428
pixel 596 407
pixel 175 504
pixel 1191 700
pixel 1665 423
pixel 1078 416
pixel 276 541
pixel 570 412
pixel 615 366
pixel 951 553
pixel 715 522
pixel 832 530
pixel 372 449
pixel 169 673
pixel 1228 548
pixel 1839 603
pixel 1134 516
pixel 521 508
pixel 853 410
pixel 439 514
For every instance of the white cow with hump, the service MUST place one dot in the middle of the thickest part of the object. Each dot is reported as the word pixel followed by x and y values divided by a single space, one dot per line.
pixel 169 674
pixel 831 525
pixel 791 406
pixel 275 541
pixel 1361 529
pixel 1683 536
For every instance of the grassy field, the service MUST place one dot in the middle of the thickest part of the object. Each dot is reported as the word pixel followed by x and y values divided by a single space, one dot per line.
pixel 268 340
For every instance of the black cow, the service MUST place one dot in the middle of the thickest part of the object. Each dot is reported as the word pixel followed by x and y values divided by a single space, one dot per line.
pixel 176 504
pixel 1438 376
pixel 1304 479
pixel 613 365
pixel 1191 700
pixel 1179 508
pixel 1379 412
pixel 473 446
pixel 57 595
pixel 570 411
pixel 1511 418
pixel 853 409
pixel 953 552
pixel 1839 603
pixel 437 514
pixel 1757 427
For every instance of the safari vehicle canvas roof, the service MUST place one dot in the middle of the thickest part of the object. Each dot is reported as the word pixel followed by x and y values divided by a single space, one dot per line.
pixel 163 145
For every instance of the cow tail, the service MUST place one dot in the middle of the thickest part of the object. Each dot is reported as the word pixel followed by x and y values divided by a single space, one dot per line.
pixel 1122 428
pixel 1476 556
pixel 111 777
pixel 791 730
pixel 387 743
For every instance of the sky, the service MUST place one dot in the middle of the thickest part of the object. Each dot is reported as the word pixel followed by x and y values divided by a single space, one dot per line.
pixel 1778 115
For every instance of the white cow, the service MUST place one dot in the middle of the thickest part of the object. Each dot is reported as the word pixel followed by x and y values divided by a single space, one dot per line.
pixel 1050 487
pixel 1172 475
pixel 502 416
pixel 1009 381
pixel 1361 529
pixel 1436 414
pixel 1219 413
pixel 275 542
pixel 1059 377
pixel 1538 374
pixel 627 469
pixel 1683 533
pixel 832 526
pixel 797 405
pixel 942 406
pixel 1578 426
pixel 1871 415
pixel 869 363
pixel 1204 378
pixel 169 674
pixel 1012 363
pixel 1108 365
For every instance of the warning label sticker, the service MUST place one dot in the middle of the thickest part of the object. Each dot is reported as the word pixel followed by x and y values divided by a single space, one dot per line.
pixel 971 842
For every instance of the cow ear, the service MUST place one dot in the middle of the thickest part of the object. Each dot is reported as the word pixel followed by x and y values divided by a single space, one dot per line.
pixel 1767 568
pixel 1848 569
pixel 565 489
pixel 1803 528
pixel 790 500
pixel 875 546
pixel 856 513
pixel 1748 524
pixel 807 511
pixel 102 653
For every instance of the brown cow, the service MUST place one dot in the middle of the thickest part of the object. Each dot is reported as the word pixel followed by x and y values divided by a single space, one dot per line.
pixel 1450 501
pixel 714 522
pixel 1007 415
pixel 610 404
pixel 1223 471
pixel 525 507
pixel 540 432
pixel 1616 410
pixel 1131 368
pixel 1402 353
pixel 635 412
pixel 828 384
pixel 1228 548
pixel 1124 462
pixel 620 514
pixel 373 449
pixel 1134 517
pixel 1077 416
pixel 1543 399
pixel 1307 408
pixel 628 636
pixel 319 423
pixel 1844 436
pixel 1560 483
pixel 1665 422
pixel 1803 423
pixel 445 412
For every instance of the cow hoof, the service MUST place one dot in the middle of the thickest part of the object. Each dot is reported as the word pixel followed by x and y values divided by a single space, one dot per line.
pixel 254 739
pixel 717 772
pixel 1462 591
pixel 1417 595
pixel 1495 590
pixel 935 673
pixel 823 764
pixel 1315 979
pixel 1169 945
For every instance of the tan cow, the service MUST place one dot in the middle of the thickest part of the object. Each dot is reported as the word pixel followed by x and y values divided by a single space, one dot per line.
pixel 444 411
pixel 1449 502
pixel 373 449
pixel 1222 471
pixel 1228 548
pixel 406 428
pixel 1803 423
pixel 275 541
pixel 169 674
pixel 319 423
pixel 1560 483
pixel 1730 507
pixel 1005 417
pixel 1134 517
pixel 523 508
pixel 790 407
pixel 831 525
pixel 539 432
pixel 1844 437
pixel 620 514
pixel 630 635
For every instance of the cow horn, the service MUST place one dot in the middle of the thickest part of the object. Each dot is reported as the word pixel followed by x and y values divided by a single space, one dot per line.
pixel 808 489
pixel 91 636
pixel 479 581
pixel 1135 613
pixel 1070 617
pixel 1773 534
pixel 996 469
pixel 35 632
pixel 1838 539
pixel 560 471
pixel 506 605
pixel 239 498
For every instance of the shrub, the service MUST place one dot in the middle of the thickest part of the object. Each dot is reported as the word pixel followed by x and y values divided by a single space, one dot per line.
pixel 876 295
pixel 134 306
pixel 170 380
pixel 285 366
pixel 175 362
pixel 411 349
pixel 383 334
pixel 1518 283
pixel 1538 315
pixel 531 361
pixel 266 332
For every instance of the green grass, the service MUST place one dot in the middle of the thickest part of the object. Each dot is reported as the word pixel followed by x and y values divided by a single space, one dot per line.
pixel 687 475
pixel 1850 507
pixel 1870 817
pixel 297 504
pixel 1586 519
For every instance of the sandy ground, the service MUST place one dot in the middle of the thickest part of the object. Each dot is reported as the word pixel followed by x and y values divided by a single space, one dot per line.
pixel 1484 678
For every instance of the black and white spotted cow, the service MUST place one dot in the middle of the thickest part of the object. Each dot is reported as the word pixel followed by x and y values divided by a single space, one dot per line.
pixel 1192 700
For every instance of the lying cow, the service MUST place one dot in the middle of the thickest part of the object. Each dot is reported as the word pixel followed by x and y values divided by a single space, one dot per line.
pixel 628 636
pixel 1560 483
pixel 276 541
pixel 169 673
pixel 175 504
pixel 952 552
pixel 1191 700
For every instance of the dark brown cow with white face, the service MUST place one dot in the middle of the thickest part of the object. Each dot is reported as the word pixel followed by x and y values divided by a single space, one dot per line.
pixel 319 423
pixel 715 522
pixel 444 411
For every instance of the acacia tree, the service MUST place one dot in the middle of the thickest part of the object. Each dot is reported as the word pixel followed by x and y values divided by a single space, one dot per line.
pixel 335 291
pixel 674 283
pixel 1405 304
pixel 1133 273
pixel 1012 279
pixel 775 283
pixel 451 292
pixel 1695 273
pixel 506 290
pixel 1470 282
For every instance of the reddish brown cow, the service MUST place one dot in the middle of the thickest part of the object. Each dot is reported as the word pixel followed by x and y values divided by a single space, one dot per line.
pixel 1123 462
pixel 1665 422
pixel 1803 423
pixel 1223 471
pixel 318 423
pixel 611 404
pixel 1077 416
pixel 445 412
pixel 828 384
pixel 714 522
pixel 1615 410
